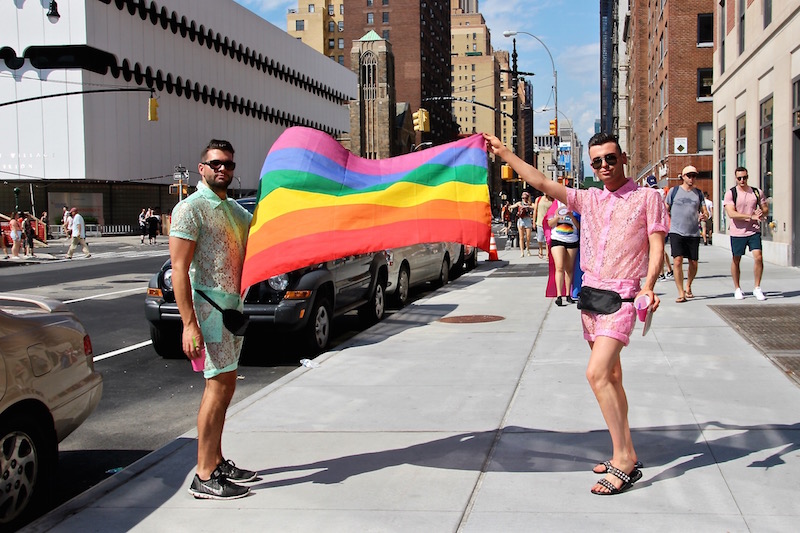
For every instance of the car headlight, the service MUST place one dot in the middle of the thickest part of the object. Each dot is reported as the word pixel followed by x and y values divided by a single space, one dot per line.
pixel 279 282
pixel 168 279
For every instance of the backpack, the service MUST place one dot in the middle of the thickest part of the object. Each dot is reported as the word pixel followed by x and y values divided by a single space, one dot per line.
pixel 674 191
pixel 735 194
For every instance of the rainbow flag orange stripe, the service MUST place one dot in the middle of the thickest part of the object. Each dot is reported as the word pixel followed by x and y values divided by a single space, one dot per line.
pixel 318 202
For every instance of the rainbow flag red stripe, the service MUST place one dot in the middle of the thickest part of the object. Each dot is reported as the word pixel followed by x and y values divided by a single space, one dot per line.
pixel 318 202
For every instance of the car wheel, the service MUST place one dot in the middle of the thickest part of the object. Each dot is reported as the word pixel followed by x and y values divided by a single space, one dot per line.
pixel 372 312
pixel 444 274
pixel 167 342
pixel 317 332
pixel 400 298
pixel 27 460
pixel 458 265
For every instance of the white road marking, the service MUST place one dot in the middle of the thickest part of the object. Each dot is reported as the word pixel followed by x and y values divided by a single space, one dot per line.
pixel 122 351
pixel 140 289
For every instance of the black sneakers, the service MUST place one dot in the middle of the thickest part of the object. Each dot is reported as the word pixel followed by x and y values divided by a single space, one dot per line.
pixel 239 475
pixel 217 487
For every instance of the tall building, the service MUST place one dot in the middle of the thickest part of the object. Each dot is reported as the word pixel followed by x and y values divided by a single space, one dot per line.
pixel 475 74
pixel 420 36
pixel 320 25
pixel 609 62
pixel 757 115
pixel 669 89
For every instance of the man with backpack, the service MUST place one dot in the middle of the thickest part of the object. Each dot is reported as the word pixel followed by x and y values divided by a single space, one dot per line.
pixel 746 207
pixel 687 207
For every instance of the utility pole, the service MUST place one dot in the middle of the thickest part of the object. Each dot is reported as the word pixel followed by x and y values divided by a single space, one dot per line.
pixel 180 174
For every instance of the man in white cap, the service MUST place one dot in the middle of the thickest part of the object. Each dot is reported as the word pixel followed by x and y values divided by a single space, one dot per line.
pixel 78 234
pixel 687 207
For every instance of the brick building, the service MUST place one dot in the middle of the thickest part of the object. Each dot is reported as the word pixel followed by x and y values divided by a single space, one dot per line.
pixel 670 47
pixel 420 36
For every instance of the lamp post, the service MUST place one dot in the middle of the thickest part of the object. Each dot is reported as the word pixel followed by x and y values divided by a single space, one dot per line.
pixel 16 199
pixel 512 33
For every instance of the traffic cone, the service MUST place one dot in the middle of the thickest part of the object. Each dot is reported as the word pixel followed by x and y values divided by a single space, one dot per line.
pixel 493 250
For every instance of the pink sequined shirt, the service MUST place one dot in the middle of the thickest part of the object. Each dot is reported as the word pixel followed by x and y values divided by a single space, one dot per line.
pixel 615 229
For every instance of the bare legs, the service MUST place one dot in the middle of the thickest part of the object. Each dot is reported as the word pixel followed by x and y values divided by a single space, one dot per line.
pixel 677 269
pixel 604 374
pixel 564 261
pixel 211 420
pixel 758 269
pixel 524 240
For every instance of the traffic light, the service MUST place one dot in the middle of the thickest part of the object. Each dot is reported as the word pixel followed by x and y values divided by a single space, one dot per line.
pixel 506 173
pixel 176 188
pixel 554 127
pixel 426 119
pixel 152 110
pixel 417 116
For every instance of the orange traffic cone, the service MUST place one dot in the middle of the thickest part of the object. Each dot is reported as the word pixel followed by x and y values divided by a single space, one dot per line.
pixel 493 250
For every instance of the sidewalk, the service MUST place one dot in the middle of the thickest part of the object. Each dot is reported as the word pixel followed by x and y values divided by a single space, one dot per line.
pixel 57 248
pixel 421 425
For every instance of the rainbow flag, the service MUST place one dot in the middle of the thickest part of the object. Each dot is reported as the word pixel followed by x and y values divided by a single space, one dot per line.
pixel 318 202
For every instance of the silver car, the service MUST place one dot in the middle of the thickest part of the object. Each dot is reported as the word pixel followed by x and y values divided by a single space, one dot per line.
pixel 48 387
pixel 414 265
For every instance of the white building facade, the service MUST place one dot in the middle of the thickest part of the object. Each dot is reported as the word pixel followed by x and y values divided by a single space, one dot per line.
pixel 216 69
pixel 757 115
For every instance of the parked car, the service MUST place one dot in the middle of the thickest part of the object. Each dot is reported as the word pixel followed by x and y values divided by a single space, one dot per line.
pixel 410 266
pixel 48 387
pixel 465 258
pixel 302 302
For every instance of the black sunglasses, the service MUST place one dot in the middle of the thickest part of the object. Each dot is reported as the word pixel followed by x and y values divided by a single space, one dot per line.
pixel 216 164
pixel 611 160
pixel 691 175
pixel 741 177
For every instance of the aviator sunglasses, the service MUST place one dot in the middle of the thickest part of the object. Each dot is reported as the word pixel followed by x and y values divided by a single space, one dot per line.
pixel 216 164
pixel 610 159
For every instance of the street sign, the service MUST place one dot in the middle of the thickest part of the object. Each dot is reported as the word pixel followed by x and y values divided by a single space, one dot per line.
pixel 551 168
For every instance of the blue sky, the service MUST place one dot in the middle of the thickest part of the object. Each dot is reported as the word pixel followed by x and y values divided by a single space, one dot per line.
pixel 569 28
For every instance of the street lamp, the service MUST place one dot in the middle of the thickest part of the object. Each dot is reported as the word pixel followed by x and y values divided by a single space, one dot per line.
pixel 52 12
pixel 512 33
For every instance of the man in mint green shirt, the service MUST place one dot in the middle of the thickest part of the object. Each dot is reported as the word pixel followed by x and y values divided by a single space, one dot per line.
pixel 207 246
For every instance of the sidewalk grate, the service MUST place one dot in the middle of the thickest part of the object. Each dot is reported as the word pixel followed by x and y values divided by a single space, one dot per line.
pixel 520 271
pixel 770 328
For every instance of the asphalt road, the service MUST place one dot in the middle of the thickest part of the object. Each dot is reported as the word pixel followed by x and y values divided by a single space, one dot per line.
pixel 147 401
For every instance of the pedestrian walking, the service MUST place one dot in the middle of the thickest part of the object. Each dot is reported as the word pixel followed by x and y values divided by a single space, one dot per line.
pixel 707 224
pixel 16 235
pixel 66 223
pixel 28 233
pixel 622 241
pixel 687 207
pixel 78 234
pixel 143 223
pixel 152 227
pixel 524 211
pixel 746 207
pixel 209 234
pixel 564 242
pixel 540 208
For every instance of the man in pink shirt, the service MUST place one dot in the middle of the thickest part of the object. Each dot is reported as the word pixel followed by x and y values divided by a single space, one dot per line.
pixel 622 240
pixel 745 213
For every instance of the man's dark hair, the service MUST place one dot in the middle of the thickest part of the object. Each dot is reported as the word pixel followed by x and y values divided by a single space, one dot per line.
pixel 217 144
pixel 603 138
pixel 740 169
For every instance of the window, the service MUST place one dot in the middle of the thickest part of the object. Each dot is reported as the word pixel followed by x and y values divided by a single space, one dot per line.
pixel 341 9
pixel 741 144
pixel 766 162
pixel 370 18
pixel 704 136
pixel 705 77
pixel 385 34
pixel 330 9
pixel 722 33
pixel 473 67
pixel 721 188
pixel 385 17
pixel 299 25
pixel 369 3
pixel 311 8
pixel 341 44
pixel 331 44
pixel 742 8
pixel 767 12
pixel 385 2
pixel 705 29
pixel 341 60
pixel 331 26
pixel 341 25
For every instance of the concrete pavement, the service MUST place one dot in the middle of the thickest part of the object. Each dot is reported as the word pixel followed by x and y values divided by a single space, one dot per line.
pixel 423 425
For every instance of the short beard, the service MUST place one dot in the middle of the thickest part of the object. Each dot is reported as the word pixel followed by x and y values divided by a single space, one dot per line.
pixel 217 188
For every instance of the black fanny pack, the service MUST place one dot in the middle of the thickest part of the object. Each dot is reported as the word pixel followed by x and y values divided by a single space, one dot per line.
pixel 233 319
pixel 600 301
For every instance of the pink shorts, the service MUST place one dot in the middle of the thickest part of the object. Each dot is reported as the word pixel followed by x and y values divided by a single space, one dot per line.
pixel 618 325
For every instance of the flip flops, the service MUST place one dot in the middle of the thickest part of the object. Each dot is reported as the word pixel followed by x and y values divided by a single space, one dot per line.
pixel 680 299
